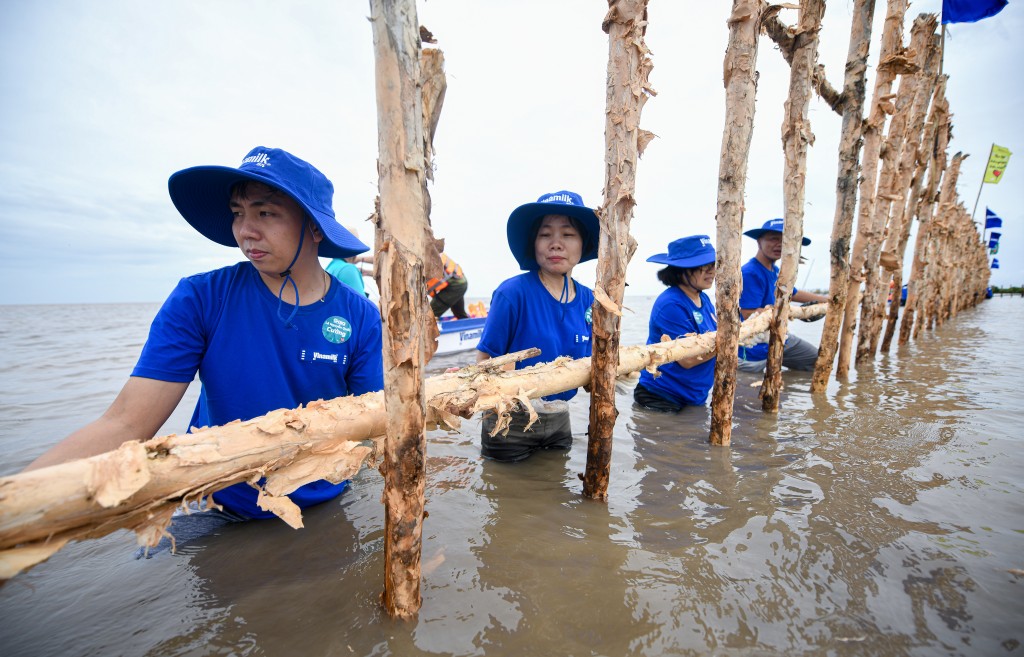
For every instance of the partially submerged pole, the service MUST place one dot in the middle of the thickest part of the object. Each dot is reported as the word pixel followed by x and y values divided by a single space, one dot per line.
pixel 891 60
pixel 850 141
pixel 628 70
pixel 740 74
pixel 404 234
pixel 796 136
pixel 895 178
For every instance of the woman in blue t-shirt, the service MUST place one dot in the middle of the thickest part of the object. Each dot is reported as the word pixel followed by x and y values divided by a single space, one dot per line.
pixel 543 308
pixel 681 309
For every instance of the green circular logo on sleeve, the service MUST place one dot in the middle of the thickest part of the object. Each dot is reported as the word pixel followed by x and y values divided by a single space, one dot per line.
pixel 589 315
pixel 337 329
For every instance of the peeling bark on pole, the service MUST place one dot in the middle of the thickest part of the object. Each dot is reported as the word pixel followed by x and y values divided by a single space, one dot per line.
pixel 846 188
pixel 891 60
pixel 796 137
pixel 404 234
pixel 923 143
pixel 740 76
pixel 628 88
pixel 784 38
pixel 138 485
pixel 894 182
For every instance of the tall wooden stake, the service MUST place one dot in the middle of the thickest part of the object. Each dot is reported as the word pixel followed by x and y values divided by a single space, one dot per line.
pixel 846 188
pixel 890 61
pixel 740 88
pixel 628 70
pixel 796 135
pixel 404 234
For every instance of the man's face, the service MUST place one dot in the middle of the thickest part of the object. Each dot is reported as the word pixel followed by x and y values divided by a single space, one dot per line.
pixel 266 225
pixel 770 245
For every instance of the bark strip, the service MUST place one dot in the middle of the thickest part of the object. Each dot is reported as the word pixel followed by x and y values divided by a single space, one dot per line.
pixel 629 67
pixel 740 77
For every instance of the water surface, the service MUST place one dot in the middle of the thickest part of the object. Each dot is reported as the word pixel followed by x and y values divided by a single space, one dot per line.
pixel 884 518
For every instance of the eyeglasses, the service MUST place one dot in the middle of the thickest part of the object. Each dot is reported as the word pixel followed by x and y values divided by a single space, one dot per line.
pixel 706 268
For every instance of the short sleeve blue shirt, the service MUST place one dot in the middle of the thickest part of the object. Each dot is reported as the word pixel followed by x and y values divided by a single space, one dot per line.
pixel 224 325
pixel 676 315
pixel 523 314
pixel 759 284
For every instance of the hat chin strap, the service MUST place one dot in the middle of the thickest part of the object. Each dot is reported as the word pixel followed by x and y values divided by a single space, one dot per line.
pixel 287 276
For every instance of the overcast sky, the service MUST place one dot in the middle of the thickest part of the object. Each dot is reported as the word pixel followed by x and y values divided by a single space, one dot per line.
pixel 103 100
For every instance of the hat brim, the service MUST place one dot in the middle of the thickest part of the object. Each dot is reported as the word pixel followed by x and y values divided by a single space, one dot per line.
pixel 522 219
pixel 683 263
pixel 202 195
pixel 756 233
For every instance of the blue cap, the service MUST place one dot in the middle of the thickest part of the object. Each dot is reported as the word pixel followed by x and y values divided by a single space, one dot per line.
pixel 524 220
pixel 687 252
pixel 771 226
pixel 203 194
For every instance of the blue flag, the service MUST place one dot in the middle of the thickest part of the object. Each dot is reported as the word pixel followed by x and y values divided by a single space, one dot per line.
pixel 970 11
pixel 995 263
pixel 992 220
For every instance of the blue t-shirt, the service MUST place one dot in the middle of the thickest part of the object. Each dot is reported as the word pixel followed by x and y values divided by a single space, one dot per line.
pixel 347 273
pixel 674 314
pixel 759 284
pixel 224 325
pixel 523 314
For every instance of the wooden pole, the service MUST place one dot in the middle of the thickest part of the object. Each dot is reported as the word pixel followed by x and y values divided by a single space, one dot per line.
pixel 891 60
pixel 854 87
pixel 896 192
pixel 628 70
pixel 796 136
pixel 916 157
pixel 138 485
pixel 740 78
pixel 926 210
pixel 404 234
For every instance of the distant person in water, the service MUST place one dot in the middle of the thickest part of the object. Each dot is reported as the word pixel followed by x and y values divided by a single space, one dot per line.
pixel 760 278
pixel 683 308
pixel 349 270
pixel 449 291
pixel 249 330
pixel 543 308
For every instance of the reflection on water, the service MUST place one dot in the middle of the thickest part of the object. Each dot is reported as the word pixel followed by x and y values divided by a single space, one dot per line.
pixel 885 518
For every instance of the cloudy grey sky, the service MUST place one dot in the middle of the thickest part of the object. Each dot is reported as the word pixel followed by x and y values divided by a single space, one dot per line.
pixel 102 101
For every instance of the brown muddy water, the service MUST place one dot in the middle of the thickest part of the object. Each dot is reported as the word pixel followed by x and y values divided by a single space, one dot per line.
pixel 886 518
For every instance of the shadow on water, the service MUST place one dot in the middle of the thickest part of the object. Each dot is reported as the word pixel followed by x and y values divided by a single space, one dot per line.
pixel 883 518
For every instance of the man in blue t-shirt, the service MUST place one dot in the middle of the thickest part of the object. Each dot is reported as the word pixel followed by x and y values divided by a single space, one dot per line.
pixel 760 278
pixel 271 332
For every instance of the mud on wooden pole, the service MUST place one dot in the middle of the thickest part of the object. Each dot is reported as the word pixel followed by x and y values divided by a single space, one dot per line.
pixel 740 77
pixel 796 137
pixel 403 234
pixel 850 141
pixel 891 59
pixel 628 88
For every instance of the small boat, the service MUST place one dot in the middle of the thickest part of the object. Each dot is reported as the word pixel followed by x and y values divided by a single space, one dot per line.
pixel 459 334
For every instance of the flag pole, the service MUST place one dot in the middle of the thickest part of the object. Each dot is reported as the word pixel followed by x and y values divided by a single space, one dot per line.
pixel 978 198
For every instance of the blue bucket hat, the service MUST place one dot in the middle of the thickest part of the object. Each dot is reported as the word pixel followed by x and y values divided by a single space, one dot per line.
pixel 202 195
pixel 771 226
pixel 524 221
pixel 687 252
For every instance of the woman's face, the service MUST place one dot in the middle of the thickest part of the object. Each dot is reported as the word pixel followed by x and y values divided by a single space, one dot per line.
pixel 558 246
pixel 702 278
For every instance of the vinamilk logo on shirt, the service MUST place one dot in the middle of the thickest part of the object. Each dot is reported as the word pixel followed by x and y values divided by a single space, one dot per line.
pixel 336 329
